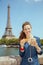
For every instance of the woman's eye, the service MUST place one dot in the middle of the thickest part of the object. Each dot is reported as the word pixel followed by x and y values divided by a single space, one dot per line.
pixel 28 28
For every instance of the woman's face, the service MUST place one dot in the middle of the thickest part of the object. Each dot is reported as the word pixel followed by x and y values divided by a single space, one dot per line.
pixel 27 29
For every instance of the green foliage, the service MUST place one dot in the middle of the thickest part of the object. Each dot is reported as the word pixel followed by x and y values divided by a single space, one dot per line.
pixel 41 41
pixel 9 41
pixel 3 41
pixel 13 41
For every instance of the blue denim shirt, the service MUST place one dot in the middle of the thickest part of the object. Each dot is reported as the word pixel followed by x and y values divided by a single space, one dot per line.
pixel 26 54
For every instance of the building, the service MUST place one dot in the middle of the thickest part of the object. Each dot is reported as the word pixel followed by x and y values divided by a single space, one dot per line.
pixel 8 30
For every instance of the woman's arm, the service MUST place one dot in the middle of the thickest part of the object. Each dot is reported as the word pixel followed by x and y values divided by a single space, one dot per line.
pixel 38 46
pixel 36 43
pixel 21 51
pixel 39 51
pixel 22 48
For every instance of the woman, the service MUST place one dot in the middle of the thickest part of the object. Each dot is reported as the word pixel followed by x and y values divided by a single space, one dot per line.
pixel 30 46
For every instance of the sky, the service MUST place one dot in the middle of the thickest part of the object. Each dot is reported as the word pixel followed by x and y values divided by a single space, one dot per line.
pixel 21 11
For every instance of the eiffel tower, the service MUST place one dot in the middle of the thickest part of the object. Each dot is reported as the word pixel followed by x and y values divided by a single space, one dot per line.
pixel 8 30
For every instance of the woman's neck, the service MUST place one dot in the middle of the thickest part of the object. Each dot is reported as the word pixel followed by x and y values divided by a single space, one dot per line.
pixel 28 36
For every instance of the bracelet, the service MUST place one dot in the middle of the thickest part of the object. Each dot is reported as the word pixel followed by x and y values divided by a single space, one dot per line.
pixel 21 48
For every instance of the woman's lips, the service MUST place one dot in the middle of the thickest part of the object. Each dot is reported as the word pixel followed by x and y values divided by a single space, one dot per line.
pixel 28 32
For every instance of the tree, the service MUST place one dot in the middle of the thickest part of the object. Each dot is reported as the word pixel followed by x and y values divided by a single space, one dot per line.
pixel 41 41
pixel 9 41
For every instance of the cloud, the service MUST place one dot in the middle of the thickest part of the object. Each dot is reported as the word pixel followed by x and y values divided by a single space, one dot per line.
pixel 37 0
pixel 27 0
pixel 33 1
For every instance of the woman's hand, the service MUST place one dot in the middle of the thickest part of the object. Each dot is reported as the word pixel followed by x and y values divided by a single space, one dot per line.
pixel 34 43
pixel 22 42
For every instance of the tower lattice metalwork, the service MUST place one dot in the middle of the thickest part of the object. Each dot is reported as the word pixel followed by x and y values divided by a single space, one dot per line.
pixel 8 30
